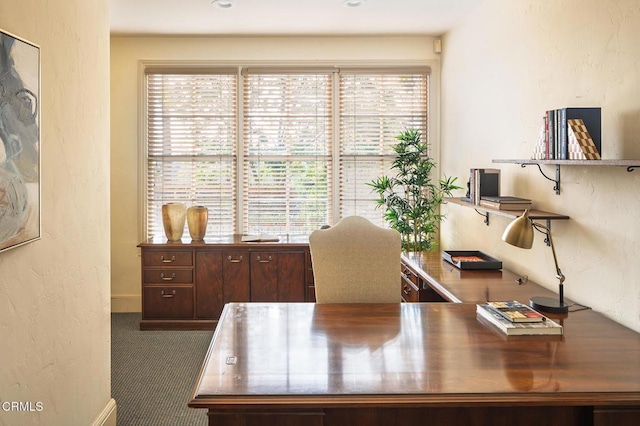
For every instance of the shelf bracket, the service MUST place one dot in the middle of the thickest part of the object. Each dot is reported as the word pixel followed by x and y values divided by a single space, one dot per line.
pixel 547 241
pixel 486 216
pixel 556 187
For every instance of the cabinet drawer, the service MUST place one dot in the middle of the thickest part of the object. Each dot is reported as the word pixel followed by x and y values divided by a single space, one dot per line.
pixel 167 258
pixel 308 268
pixel 409 275
pixel 168 276
pixel 168 302
pixel 409 292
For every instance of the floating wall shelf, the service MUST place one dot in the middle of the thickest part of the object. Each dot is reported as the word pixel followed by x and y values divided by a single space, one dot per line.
pixel 511 214
pixel 631 165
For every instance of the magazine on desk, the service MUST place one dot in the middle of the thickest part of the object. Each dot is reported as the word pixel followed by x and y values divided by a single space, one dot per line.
pixel 515 311
pixel 545 327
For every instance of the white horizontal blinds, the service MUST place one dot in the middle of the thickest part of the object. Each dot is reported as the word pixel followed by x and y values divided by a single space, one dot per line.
pixel 191 145
pixel 287 151
pixel 374 107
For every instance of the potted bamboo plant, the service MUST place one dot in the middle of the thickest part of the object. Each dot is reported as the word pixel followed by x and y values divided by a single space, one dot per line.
pixel 411 199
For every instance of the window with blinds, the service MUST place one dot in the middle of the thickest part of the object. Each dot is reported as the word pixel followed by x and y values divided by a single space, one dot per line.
pixel 374 107
pixel 294 152
pixel 286 152
pixel 191 145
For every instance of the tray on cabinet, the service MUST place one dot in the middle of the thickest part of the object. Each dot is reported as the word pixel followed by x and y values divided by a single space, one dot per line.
pixel 471 259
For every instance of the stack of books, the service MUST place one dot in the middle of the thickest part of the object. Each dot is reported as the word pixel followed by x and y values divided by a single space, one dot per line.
pixel 482 182
pixel 517 319
pixel 556 131
pixel 506 203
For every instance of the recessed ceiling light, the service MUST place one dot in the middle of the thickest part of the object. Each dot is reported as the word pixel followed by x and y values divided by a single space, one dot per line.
pixel 222 4
pixel 354 3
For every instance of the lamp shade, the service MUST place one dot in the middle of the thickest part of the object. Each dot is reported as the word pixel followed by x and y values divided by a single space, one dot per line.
pixel 519 232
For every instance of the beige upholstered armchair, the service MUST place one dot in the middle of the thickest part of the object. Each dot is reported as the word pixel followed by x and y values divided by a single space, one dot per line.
pixel 356 261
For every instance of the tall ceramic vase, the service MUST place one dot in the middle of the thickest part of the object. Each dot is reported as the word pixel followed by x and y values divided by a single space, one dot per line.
pixel 197 217
pixel 173 219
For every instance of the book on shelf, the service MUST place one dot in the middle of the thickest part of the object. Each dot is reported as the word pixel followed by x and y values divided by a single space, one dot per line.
pixel 260 238
pixel 482 182
pixel 515 311
pixel 592 119
pixel 506 203
pixel 551 131
pixel 506 199
pixel 557 130
pixel 505 206
pixel 544 327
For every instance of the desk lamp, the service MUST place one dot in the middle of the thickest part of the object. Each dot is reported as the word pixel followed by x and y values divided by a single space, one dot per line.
pixel 519 233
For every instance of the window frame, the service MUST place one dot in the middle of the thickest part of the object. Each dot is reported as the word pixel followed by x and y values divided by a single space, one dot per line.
pixel 433 117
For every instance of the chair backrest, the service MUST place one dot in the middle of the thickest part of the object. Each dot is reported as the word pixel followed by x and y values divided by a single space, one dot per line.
pixel 356 261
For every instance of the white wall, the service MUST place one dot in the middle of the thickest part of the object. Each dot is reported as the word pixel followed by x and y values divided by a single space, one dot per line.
pixel 502 67
pixel 126 54
pixel 54 293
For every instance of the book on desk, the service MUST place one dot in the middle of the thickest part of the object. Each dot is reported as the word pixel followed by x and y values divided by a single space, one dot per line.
pixel 490 315
pixel 260 238
pixel 515 311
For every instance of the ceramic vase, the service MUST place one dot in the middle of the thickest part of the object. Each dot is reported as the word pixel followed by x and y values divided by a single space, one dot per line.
pixel 173 218
pixel 197 217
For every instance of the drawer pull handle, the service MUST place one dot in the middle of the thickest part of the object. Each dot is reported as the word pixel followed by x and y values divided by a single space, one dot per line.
pixel 406 290
pixel 171 278
pixel 269 259
pixel 163 260
pixel 232 260
pixel 168 295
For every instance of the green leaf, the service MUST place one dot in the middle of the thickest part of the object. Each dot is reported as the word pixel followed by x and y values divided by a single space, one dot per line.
pixel 410 198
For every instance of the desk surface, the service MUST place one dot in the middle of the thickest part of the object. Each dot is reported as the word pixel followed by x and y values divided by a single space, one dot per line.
pixel 469 286
pixel 304 354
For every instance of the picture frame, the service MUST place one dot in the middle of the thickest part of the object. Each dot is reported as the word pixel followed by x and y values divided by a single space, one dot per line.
pixel 20 168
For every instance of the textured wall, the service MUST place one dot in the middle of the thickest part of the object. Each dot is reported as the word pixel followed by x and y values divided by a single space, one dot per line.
pixel 502 67
pixel 54 293
pixel 126 52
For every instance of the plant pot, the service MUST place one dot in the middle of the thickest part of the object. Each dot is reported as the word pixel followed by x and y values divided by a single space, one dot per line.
pixel 173 218
pixel 197 217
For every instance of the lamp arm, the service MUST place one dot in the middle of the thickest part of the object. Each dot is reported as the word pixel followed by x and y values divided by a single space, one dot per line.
pixel 559 275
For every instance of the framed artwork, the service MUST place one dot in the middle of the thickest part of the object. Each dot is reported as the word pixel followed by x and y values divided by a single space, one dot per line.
pixel 20 141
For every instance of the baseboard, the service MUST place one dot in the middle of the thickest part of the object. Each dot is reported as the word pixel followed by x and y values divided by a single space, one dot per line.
pixel 108 416
pixel 126 303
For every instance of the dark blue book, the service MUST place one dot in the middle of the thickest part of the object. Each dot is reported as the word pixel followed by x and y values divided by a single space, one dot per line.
pixel 592 118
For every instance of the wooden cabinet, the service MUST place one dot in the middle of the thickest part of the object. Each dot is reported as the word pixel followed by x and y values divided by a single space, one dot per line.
pixel 186 285
pixel 168 284
pixel 414 287
pixel 221 277
pixel 172 302
pixel 277 276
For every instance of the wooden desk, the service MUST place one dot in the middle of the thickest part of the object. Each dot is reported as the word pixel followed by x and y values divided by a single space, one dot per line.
pixel 456 285
pixel 413 364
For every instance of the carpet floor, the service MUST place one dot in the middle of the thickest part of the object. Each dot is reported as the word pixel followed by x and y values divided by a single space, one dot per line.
pixel 153 373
